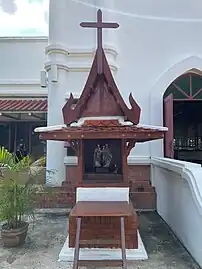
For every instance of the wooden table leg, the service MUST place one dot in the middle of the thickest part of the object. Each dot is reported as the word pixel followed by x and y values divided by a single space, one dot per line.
pixel 76 250
pixel 123 243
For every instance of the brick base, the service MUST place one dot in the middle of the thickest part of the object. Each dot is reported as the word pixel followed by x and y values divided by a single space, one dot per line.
pixel 142 194
pixel 56 197
pixel 104 228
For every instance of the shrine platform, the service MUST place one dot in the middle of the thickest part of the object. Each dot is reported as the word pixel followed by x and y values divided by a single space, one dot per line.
pixel 67 253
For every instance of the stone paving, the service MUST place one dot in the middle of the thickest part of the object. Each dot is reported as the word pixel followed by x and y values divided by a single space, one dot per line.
pixel 45 241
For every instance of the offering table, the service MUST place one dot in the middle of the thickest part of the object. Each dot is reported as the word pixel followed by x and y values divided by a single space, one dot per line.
pixel 101 209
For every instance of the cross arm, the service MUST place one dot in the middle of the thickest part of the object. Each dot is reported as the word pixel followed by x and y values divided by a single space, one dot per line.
pixel 99 25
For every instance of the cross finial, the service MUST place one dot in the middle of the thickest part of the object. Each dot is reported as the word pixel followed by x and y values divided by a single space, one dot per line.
pixel 99 25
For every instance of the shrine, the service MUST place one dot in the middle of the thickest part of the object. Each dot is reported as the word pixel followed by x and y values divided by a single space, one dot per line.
pixel 102 131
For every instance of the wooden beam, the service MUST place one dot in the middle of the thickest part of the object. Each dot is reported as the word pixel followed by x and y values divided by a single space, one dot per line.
pixel 63 136
pixel 10 116
pixel 37 116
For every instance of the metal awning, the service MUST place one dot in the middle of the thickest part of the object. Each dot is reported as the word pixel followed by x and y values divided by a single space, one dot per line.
pixel 23 105
pixel 24 108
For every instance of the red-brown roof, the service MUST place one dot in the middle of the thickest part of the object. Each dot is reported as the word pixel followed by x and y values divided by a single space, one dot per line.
pixel 101 132
pixel 23 105
pixel 100 96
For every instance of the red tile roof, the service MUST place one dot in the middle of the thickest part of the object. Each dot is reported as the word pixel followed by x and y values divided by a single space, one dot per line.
pixel 101 132
pixel 23 105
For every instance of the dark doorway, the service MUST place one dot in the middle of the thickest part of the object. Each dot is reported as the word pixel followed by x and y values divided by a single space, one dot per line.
pixel 183 117
pixel 187 123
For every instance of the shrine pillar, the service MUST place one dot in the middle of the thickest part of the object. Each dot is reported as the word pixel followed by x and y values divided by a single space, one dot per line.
pixel 57 70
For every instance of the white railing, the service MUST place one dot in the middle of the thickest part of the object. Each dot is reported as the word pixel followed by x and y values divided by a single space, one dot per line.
pixel 179 200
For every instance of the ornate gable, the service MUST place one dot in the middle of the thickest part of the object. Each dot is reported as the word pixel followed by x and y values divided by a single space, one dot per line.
pixel 100 96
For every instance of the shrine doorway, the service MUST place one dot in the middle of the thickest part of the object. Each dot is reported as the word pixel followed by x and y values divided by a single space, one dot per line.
pixel 183 117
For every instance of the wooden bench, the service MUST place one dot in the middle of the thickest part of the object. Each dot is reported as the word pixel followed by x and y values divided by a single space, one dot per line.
pixel 100 209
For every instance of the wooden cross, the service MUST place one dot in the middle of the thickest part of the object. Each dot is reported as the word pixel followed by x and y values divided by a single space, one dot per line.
pixel 99 25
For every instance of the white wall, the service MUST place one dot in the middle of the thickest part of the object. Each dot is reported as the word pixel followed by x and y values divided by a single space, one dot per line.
pixel 21 62
pixel 154 44
pixel 154 40
pixel 179 201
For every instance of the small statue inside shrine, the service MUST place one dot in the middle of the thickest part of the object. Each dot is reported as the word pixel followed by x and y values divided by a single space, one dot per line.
pixel 102 158
pixel 106 156
pixel 97 157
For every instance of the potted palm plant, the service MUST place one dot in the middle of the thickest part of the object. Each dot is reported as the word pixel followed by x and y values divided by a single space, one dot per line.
pixel 17 199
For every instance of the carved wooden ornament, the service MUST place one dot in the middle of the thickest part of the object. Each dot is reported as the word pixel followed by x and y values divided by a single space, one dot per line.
pixel 100 96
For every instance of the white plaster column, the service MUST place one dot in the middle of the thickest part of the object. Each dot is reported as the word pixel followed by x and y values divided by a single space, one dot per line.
pixel 57 69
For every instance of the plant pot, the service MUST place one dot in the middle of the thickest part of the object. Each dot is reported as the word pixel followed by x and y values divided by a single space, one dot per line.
pixel 14 237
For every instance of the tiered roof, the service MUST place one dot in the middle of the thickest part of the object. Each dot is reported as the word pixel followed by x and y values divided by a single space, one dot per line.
pixel 100 96
pixel 101 106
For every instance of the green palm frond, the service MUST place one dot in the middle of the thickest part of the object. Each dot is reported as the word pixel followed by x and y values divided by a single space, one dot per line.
pixel 6 158
pixel 16 199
